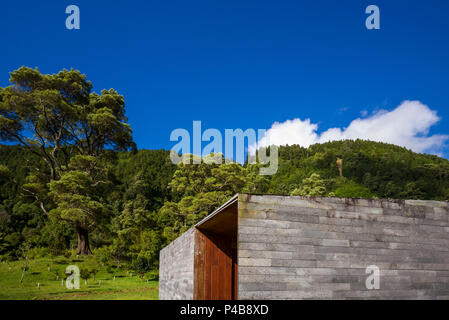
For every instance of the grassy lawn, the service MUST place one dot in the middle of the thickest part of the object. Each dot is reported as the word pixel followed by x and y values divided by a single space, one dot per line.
pixel 124 287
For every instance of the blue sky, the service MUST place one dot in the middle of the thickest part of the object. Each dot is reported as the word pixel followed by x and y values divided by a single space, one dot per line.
pixel 247 64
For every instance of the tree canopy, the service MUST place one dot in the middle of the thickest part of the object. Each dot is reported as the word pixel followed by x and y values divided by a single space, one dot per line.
pixel 55 116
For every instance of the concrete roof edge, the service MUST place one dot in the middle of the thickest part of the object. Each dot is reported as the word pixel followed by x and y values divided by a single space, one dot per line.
pixel 345 198
pixel 218 210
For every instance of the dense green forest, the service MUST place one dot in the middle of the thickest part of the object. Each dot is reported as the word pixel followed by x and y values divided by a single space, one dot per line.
pixel 150 201
pixel 73 182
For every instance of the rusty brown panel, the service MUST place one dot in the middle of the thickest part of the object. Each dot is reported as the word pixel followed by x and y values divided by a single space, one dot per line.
pixel 196 266
pixel 216 276
pixel 220 277
pixel 199 266
pixel 234 277
pixel 207 269
pixel 202 271
pixel 225 278
pixel 226 292
pixel 213 267
pixel 224 252
pixel 215 283
pixel 228 282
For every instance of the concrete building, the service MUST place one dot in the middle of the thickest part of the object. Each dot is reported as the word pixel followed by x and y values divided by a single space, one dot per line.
pixel 283 247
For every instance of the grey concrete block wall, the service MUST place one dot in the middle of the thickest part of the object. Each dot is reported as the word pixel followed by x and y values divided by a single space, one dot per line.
pixel 319 248
pixel 176 268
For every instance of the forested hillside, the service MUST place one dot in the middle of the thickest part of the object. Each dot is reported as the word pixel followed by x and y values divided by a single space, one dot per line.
pixel 370 169
pixel 147 201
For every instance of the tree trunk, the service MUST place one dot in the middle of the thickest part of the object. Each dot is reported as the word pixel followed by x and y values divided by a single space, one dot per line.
pixel 83 241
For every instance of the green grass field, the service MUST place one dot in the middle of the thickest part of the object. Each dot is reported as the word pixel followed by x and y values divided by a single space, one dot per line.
pixel 124 287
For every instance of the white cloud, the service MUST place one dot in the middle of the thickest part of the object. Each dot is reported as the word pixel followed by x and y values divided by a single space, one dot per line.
pixel 407 126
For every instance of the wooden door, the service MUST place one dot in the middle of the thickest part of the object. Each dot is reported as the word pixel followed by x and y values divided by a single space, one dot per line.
pixel 215 267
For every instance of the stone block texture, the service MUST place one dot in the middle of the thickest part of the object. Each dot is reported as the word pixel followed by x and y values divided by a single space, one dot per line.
pixel 319 248
pixel 176 268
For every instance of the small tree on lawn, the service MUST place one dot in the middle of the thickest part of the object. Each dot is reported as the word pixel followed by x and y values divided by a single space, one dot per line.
pixel 85 274
pixel 141 266
pixel 58 273
pixel 93 272
pixel 25 248
pixel 110 269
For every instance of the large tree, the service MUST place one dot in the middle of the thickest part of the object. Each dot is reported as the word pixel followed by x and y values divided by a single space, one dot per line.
pixel 312 186
pixel 58 117
pixel 79 197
